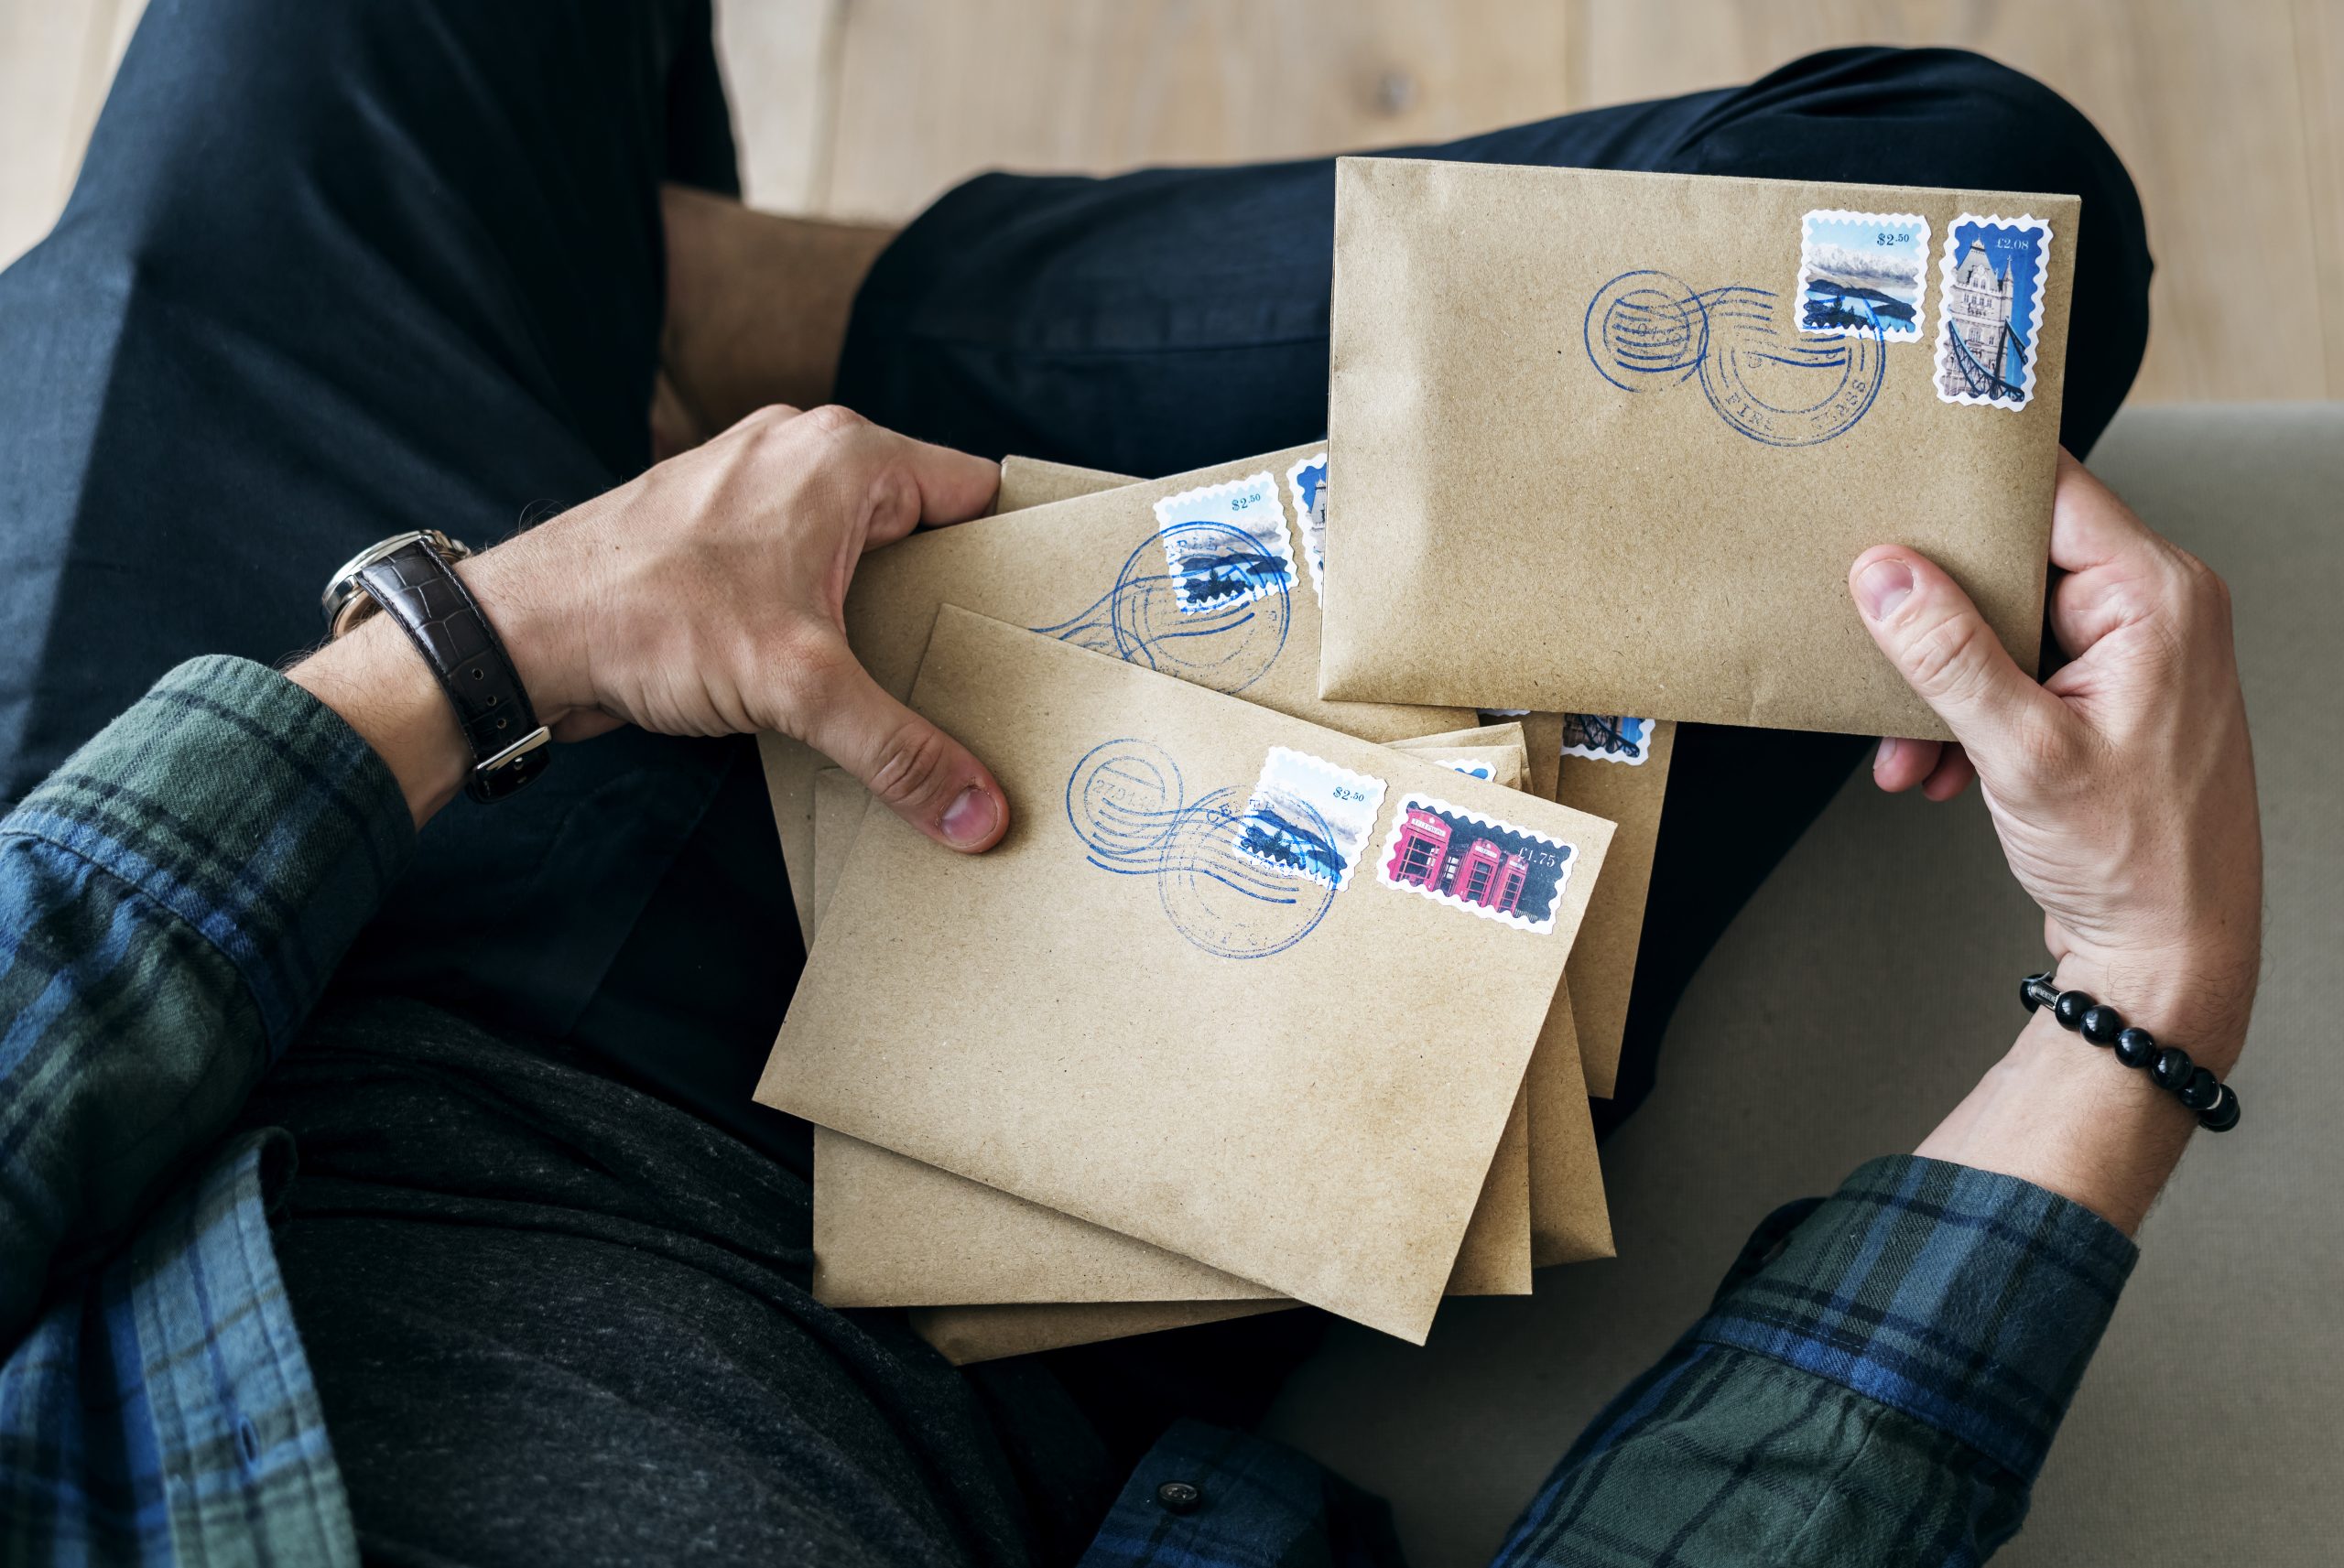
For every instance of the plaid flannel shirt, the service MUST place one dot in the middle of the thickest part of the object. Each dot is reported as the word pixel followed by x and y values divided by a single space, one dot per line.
pixel 1876 1383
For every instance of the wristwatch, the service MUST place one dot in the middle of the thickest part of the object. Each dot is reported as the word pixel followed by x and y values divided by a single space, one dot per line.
pixel 412 578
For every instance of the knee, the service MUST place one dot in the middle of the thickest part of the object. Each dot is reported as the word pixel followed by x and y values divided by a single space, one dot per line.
pixel 1927 117
pixel 2004 130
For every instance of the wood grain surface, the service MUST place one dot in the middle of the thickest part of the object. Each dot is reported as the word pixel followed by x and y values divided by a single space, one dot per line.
pixel 2229 115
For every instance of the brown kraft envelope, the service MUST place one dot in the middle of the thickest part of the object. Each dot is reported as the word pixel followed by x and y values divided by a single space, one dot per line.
pixel 1088 569
pixel 1560 1181
pixel 1100 1026
pixel 1590 462
pixel 889 1231
pixel 1568 1221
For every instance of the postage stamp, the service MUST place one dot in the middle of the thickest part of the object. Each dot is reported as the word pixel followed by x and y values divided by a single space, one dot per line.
pixel 1863 272
pixel 1990 309
pixel 1226 544
pixel 1607 738
pixel 1308 481
pixel 1308 817
pixel 1466 765
pixel 1470 861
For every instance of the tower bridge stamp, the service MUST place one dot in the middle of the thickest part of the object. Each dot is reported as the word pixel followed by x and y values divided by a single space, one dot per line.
pixel 1990 309
pixel 1607 738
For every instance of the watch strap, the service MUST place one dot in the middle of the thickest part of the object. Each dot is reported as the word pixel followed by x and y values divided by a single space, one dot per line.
pixel 416 586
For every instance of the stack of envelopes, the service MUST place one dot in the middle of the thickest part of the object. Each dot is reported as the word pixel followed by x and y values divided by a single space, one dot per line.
pixel 1289 983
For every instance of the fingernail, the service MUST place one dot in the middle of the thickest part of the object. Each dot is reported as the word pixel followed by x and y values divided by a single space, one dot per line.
pixel 1884 585
pixel 1887 750
pixel 970 818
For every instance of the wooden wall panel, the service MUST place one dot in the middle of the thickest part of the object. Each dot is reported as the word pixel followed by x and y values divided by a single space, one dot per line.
pixel 930 91
pixel 55 63
pixel 2229 113
pixel 780 60
pixel 2319 65
pixel 2200 100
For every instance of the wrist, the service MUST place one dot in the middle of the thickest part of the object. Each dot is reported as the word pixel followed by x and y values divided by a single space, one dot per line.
pixel 2199 998
pixel 382 688
pixel 539 636
pixel 2067 1116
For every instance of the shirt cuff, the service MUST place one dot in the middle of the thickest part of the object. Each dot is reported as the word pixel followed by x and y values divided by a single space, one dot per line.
pixel 1205 1495
pixel 242 804
pixel 1969 1301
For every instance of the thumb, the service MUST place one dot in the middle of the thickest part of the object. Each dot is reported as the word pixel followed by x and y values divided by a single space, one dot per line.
pixel 1947 654
pixel 928 779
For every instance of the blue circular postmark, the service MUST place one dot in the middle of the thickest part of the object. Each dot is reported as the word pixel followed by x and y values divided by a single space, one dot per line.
pixel 1786 391
pixel 1227 646
pixel 1645 330
pixel 1648 330
pixel 1230 904
pixel 1123 799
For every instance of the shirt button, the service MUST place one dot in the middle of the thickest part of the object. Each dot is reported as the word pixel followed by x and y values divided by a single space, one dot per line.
pixel 1180 1496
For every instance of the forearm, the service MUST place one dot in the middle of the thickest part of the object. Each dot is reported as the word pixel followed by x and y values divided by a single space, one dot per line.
pixel 2065 1115
pixel 173 898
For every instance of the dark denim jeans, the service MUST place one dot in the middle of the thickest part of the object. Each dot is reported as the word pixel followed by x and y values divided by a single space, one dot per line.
pixel 334 272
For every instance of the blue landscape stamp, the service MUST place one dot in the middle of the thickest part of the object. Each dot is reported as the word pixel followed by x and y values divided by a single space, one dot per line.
pixel 1226 544
pixel 1649 331
pixel 1607 738
pixel 1471 770
pixel 1309 817
pixel 1864 272
pixel 1127 802
pixel 1477 863
pixel 1990 309
pixel 1308 481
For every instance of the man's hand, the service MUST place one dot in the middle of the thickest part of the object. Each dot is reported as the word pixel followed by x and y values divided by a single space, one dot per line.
pixel 2122 789
pixel 2123 786
pixel 706 598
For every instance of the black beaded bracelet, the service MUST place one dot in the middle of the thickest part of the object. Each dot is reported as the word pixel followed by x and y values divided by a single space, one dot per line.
pixel 2214 1101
